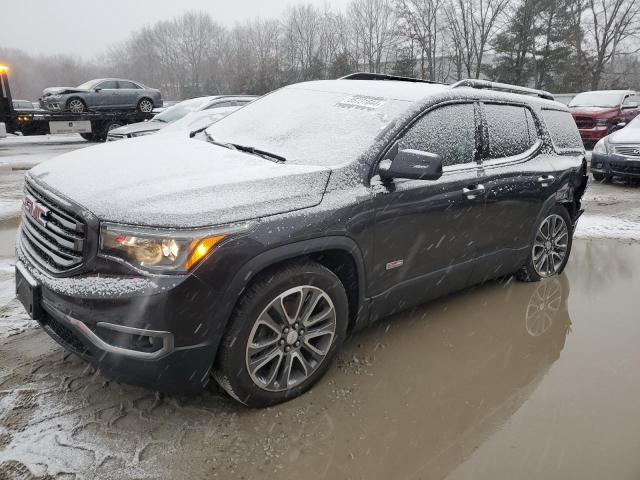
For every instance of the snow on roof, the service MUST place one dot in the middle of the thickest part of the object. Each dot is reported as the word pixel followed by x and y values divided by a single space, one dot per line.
pixel 397 90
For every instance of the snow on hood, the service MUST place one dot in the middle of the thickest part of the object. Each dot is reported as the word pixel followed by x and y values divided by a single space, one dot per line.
pixel 151 125
pixel 592 110
pixel 58 90
pixel 179 182
pixel 626 135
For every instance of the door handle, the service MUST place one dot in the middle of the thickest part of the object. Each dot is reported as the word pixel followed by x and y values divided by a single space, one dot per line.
pixel 473 191
pixel 545 180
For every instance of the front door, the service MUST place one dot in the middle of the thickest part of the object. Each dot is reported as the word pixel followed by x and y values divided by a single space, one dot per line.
pixel 425 232
pixel 107 95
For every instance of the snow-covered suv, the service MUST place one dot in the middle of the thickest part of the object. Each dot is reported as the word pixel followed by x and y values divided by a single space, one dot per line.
pixel 247 251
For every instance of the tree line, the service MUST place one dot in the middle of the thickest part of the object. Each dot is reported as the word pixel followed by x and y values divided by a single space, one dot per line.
pixel 557 45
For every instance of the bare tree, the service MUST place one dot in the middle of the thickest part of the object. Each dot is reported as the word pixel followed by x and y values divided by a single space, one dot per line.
pixel 609 26
pixel 374 27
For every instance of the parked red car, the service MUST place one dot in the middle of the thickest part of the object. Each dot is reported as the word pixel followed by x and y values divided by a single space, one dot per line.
pixel 600 113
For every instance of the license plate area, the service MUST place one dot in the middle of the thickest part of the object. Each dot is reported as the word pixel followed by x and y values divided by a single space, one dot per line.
pixel 28 292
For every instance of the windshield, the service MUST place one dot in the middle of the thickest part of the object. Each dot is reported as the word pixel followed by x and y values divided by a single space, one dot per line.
pixel 596 99
pixel 88 85
pixel 309 126
pixel 179 110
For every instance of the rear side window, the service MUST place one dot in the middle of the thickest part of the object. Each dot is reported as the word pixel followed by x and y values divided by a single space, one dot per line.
pixel 510 128
pixel 563 130
pixel 130 85
pixel 448 131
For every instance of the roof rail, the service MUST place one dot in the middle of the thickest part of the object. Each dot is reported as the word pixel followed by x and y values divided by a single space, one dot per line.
pixel 502 87
pixel 383 76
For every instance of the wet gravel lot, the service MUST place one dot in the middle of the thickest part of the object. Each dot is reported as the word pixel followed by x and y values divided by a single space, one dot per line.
pixel 506 380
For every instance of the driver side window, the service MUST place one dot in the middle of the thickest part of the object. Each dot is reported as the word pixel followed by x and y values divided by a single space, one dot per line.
pixel 449 131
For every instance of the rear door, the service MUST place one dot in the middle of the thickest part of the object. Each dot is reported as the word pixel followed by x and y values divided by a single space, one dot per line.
pixel 517 179
pixel 127 93
pixel 425 231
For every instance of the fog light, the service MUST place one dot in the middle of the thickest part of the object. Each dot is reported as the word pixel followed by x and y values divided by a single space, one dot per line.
pixel 599 165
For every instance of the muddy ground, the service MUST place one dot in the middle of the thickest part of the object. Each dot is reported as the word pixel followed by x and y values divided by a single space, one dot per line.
pixel 506 380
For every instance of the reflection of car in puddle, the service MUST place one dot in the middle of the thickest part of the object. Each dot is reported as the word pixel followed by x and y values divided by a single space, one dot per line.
pixel 544 306
pixel 451 374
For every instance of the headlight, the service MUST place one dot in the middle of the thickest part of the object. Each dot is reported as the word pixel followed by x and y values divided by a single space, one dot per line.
pixel 170 251
pixel 601 147
pixel 56 97
pixel 141 134
pixel 602 122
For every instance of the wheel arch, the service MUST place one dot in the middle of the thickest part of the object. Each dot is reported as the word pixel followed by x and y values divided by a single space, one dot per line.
pixel 339 254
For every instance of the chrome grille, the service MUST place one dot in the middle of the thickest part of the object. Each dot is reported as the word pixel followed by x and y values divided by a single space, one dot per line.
pixel 57 241
pixel 628 150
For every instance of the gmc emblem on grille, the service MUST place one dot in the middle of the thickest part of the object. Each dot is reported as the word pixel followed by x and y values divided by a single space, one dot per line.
pixel 35 210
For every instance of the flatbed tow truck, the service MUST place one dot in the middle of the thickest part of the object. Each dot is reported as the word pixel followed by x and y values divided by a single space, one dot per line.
pixel 92 126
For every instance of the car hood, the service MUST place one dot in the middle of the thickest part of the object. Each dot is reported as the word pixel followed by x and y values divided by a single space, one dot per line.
pixel 625 135
pixel 151 125
pixel 60 90
pixel 179 182
pixel 593 110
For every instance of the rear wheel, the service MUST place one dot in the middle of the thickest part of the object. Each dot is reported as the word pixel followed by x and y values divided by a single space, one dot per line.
pixel 76 105
pixel 89 137
pixel 145 105
pixel 600 177
pixel 551 246
pixel 283 334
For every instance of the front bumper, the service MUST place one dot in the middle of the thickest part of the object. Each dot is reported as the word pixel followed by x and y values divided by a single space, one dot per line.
pixel 155 333
pixel 614 165
pixel 593 134
pixel 52 105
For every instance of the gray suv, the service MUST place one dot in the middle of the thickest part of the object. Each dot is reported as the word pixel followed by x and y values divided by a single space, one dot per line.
pixel 101 94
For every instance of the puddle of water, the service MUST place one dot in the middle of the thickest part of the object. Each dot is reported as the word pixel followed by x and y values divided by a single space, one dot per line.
pixel 507 380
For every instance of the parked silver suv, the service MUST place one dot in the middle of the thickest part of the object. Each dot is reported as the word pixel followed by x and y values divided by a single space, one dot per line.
pixel 101 94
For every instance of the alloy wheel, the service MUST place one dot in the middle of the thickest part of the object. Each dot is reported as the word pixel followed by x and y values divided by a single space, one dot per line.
pixel 76 106
pixel 146 106
pixel 291 338
pixel 550 245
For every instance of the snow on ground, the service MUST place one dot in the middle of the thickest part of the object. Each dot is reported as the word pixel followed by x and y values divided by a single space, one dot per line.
pixel 13 318
pixel 602 226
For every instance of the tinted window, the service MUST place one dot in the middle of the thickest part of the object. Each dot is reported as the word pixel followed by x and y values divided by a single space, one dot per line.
pixel 108 84
pixel 563 130
pixel 508 129
pixel 125 84
pixel 448 131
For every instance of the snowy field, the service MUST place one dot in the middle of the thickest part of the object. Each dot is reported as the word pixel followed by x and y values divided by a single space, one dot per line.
pixel 445 388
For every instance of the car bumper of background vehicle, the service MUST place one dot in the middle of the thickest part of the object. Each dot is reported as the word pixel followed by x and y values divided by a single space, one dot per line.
pixel 142 339
pixel 593 134
pixel 615 165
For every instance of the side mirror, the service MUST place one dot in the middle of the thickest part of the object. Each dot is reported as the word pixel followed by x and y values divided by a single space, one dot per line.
pixel 630 105
pixel 619 126
pixel 97 90
pixel 413 165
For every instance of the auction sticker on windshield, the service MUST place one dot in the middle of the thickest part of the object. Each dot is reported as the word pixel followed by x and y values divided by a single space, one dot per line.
pixel 362 101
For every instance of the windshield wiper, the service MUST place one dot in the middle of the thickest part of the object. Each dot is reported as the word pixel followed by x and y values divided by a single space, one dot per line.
pixel 242 148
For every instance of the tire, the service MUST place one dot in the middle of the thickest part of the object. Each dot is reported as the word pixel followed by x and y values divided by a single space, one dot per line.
pixel 89 137
pixel 76 105
pixel 600 177
pixel 101 136
pixel 299 284
pixel 541 264
pixel 145 105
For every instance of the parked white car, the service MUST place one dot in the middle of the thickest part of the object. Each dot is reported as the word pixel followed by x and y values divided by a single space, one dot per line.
pixel 195 121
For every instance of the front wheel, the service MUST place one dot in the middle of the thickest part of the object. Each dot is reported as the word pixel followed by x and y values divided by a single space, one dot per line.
pixel 600 177
pixel 551 246
pixel 283 334
pixel 75 105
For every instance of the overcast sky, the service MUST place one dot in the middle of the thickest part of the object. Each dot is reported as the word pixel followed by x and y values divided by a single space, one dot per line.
pixel 86 27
